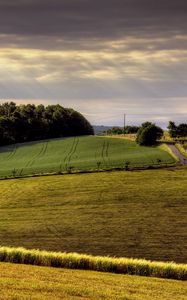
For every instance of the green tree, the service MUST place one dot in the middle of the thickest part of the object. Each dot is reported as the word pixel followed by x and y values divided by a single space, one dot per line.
pixel 115 130
pixel 182 130
pixel 29 122
pixel 173 130
pixel 148 134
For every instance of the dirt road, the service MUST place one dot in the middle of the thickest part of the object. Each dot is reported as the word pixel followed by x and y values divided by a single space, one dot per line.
pixel 182 158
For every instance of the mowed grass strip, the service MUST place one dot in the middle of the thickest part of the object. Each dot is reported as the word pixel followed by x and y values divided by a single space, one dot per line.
pixel 78 154
pixel 45 283
pixel 139 214
pixel 94 263
pixel 182 148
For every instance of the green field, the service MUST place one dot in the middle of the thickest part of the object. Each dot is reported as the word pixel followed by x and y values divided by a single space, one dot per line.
pixel 140 214
pixel 78 154
pixel 44 283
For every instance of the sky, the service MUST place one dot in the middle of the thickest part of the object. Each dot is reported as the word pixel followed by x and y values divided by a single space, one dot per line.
pixel 103 58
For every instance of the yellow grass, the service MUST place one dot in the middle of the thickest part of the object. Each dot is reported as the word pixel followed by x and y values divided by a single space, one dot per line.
pixel 129 266
pixel 165 147
pixel 24 282
pixel 181 148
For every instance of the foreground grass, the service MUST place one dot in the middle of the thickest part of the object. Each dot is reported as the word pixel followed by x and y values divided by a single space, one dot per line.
pixel 140 214
pixel 96 263
pixel 78 154
pixel 31 282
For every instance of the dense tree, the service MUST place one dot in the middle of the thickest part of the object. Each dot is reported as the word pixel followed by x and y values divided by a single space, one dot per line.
pixel 131 129
pixel 120 130
pixel 29 122
pixel 115 130
pixel 148 134
pixel 172 129
pixel 177 131
pixel 182 130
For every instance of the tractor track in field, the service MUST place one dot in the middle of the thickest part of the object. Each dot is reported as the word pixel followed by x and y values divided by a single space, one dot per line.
pixel 104 152
pixel 63 161
pixel 107 147
pixel 45 149
pixel 21 172
pixel 67 155
pixel 30 162
pixel 41 153
pixel 53 232
pixel 12 153
pixel 72 151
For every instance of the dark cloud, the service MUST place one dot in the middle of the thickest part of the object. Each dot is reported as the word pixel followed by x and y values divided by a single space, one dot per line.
pixel 93 18
pixel 96 55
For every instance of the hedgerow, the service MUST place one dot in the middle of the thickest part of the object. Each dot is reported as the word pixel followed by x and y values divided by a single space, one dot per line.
pixel 129 266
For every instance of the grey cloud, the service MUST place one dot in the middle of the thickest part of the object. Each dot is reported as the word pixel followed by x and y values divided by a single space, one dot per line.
pixel 88 89
pixel 93 18
pixel 123 44
pixel 150 83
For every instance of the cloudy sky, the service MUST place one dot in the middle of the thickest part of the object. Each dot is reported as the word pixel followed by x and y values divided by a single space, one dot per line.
pixel 101 57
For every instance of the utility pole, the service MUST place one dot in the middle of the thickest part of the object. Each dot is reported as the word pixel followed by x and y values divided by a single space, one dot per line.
pixel 124 123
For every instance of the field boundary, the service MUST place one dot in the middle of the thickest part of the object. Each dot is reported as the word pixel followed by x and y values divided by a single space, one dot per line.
pixel 177 152
pixel 166 147
pixel 96 170
pixel 181 149
pixel 139 267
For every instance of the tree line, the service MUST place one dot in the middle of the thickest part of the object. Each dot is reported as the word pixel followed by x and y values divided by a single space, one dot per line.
pixel 148 133
pixel 22 123
pixel 179 131
pixel 122 130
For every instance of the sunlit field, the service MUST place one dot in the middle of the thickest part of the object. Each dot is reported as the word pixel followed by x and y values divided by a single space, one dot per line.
pixel 77 154
pixel 32 282
pixel 139 214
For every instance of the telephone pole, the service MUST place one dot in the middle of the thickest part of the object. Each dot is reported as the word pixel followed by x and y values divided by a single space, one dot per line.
pixel 124 123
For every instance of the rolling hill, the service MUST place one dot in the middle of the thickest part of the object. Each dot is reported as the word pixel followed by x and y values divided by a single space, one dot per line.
pixel 139 214
pixel 78 154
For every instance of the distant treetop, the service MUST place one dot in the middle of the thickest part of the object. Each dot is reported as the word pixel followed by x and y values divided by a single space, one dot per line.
pixel 22 123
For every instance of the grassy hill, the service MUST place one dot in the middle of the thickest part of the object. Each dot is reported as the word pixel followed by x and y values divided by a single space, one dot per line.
pixel 140 214
pixel 32 282
pixel 78 154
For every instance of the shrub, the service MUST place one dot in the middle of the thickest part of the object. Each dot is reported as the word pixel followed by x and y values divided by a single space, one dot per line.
pixel 148 134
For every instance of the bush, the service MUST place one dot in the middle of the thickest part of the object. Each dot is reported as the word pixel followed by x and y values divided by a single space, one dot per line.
pixel 148 134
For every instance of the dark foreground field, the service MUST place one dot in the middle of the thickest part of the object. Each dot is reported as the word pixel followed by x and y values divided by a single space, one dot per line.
pixel 130 214
pixel 44 283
